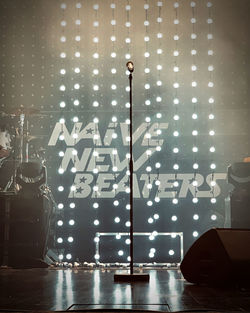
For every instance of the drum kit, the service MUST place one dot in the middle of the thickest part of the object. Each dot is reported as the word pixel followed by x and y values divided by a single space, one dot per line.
pixel 15 148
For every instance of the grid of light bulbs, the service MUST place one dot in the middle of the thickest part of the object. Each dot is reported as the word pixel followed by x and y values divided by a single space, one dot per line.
pixel 96 102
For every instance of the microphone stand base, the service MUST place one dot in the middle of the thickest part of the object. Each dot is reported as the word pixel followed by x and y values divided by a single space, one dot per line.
pixel 136 277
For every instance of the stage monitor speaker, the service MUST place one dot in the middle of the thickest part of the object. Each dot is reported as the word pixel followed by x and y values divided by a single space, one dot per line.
pixel 220 256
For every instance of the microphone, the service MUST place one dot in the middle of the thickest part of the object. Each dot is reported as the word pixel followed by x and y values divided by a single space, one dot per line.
pixel 130 66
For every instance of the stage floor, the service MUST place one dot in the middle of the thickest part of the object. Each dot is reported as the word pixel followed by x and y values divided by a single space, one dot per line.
pixel 58 289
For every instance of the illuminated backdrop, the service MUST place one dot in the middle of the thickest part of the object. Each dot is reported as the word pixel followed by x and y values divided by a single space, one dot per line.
pixel 190 107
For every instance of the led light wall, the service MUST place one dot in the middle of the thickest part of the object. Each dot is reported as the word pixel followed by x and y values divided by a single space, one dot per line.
pixel 67 59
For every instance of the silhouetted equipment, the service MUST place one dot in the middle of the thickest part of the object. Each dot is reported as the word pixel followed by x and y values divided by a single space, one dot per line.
pixel 221 256
pixel 239 177
pixel 27 226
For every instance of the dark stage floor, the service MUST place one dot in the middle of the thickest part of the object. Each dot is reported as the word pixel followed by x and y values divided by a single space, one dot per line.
pixel 58 289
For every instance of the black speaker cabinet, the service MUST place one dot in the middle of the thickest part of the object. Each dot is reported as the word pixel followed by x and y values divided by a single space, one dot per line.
pixel 24 230
pixel 220 256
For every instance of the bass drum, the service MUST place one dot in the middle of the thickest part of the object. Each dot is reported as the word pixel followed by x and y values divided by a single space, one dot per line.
pixel 5 146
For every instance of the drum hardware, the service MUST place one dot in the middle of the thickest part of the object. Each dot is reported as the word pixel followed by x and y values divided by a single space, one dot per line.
pixel 22 139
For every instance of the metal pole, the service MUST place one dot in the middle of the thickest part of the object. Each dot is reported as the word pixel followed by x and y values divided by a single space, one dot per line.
pixel 131 177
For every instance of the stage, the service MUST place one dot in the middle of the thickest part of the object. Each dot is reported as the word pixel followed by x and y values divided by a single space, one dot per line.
pixel 56 289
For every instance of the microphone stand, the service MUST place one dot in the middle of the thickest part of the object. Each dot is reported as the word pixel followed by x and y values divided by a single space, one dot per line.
pixel 131 277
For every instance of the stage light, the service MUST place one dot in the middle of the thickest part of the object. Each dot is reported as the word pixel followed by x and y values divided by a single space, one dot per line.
pixel 60 256
pixel 72 205
pixel 76 102
pixel 157 199
pixel 59 240
pixel 114 102
pixel 175 184
pixel 96 239
pixel 175 166
pixel 212 149
pixel 62 88
pixel 176 150
pixel 213 200
pixel 156 216
pixel 63 71
pixel 159 67
pixel 60 223
pixel 60 170
pixel 171 252
pixel 95 205
pixel 73 169
pixel 213 183
pixel 195 149
pixel 158 99
pixel 176 53
pixel 150 220
pixel 60 188
pixel 62 104
pixel 68 256
pixel 195 183
pixel 95 188
pixel 194 133
pixel 73 188
pixel 195 166
pixel 149 186
pixel 96 222
pixel 176 117
pixel 176 85
pixel 193 36
pixel 60 206
pixel 195 217
pixel 157 182
pixel 213 166
pixel 175 201
pixel 194 68
pixel 159 51
pixel 211 132
pixel 195 200
pixel 176 37
pixel 127 224
pixel 75 119
pixel 63 55
pixel 120 253
pixel 70 239
pixel 194 116
pixel 151 237
pixel 71 222
pixel 149 203
pixel 211 116
pixel 77 86
pixel 195 234
pixel 210 84
pixel 77 54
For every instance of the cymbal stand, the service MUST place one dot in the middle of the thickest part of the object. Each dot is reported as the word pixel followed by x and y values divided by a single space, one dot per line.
pixel 21 123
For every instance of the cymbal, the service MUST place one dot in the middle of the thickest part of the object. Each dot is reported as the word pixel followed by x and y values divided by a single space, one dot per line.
pixel 21 110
